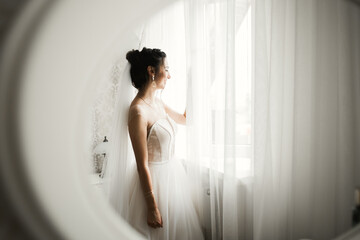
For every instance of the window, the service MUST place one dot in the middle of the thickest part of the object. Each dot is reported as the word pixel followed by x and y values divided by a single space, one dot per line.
pixel 171 38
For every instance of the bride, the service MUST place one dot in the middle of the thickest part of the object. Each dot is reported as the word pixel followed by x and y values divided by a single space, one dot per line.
pixel 155 194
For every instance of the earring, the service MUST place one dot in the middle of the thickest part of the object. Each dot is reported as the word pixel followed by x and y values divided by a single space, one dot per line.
pixel 153 81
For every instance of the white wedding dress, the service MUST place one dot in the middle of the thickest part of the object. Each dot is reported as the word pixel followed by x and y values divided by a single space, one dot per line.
pixel 170 187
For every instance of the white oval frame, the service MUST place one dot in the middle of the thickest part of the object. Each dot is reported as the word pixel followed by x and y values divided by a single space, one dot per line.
pixel 56 86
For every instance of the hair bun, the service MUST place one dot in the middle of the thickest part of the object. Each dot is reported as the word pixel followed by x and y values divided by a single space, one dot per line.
pixel 140 61
pixel 133 56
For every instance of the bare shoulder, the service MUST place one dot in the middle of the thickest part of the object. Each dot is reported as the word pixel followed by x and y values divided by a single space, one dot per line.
pixel 136 109
pixel 136 112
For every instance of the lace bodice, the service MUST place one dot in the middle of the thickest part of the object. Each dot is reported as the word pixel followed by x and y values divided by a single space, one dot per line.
pixel 161 140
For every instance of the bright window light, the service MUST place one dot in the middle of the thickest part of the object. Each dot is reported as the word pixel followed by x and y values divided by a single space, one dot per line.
pixel 171 39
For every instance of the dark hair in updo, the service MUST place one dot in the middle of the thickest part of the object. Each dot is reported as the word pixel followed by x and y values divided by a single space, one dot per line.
pixel 140 61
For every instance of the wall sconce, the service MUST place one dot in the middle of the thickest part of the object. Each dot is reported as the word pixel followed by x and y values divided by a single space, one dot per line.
pixel 100 157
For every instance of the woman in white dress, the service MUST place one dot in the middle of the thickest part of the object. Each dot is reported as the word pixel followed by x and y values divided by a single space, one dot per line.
pixel 159 202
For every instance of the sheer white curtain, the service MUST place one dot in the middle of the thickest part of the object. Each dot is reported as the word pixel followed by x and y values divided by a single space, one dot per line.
pixel 307 88
pixel 212 107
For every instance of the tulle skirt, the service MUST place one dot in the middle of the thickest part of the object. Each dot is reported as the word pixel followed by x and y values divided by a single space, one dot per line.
pixel 172 195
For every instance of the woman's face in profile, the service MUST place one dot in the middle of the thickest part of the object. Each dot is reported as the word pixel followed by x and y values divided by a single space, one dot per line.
pixel 163 75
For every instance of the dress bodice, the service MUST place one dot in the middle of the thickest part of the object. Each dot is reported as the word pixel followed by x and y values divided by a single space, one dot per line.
pixel 161 140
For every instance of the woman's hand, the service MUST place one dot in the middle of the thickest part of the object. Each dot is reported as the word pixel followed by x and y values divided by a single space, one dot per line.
pixel 154 218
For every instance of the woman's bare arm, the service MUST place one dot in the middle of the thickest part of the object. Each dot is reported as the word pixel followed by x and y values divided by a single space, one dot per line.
pixel 178 117
pixel 138 133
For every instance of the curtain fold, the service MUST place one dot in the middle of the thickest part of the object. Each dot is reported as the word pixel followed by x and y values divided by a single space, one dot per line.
pixel 306 103
pixel 211 31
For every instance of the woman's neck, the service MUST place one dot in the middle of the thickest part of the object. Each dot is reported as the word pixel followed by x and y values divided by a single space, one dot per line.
pixel 148 93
